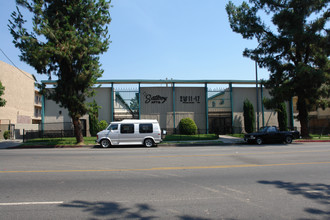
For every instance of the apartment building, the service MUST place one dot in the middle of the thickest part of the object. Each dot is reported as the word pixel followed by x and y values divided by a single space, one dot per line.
pixel 23 101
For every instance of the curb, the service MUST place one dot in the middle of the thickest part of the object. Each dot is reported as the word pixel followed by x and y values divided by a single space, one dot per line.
pixel 198 144
pixel 97 146
pixel 50 146
pixel 306 141
pixel 160 145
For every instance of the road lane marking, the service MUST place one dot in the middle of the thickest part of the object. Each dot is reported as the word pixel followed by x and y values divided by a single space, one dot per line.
pixel 31 203
pixel 165 168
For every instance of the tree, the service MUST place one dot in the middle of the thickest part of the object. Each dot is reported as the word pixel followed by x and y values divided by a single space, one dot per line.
pixel 282 117
pixel 2 90
pixel 295 51
pixel 65 41
pixel 249 116
pixel 280 109
pixel 93 115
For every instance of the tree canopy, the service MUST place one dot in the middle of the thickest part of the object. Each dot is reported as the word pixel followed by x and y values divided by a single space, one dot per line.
pixel 294 46
pixel 65 41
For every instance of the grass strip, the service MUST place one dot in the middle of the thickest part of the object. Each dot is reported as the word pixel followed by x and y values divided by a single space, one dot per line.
pixel 179 137
pixel 59 141
pixel 313 136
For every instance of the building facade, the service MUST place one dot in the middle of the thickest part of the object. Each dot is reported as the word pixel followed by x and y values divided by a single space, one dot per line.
pixel 23 101
pixel 216 106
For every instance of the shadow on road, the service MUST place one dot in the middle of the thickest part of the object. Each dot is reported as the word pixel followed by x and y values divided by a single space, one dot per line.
pixel 320 193
pixel 114 210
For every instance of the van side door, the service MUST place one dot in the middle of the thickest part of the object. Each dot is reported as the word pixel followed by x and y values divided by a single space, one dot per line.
pixel 127 134
pixel 114 134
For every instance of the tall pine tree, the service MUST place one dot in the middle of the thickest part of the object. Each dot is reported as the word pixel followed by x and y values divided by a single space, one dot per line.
pixel 65 41
pixel 294 48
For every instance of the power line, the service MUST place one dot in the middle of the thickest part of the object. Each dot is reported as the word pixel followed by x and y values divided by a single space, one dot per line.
pixel 33 78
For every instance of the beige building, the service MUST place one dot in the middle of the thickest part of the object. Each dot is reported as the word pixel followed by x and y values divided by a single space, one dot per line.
pixel 319 119
pixel 23 102
pixel 214 109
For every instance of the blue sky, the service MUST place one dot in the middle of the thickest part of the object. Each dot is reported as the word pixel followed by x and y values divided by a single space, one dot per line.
pixel 158 39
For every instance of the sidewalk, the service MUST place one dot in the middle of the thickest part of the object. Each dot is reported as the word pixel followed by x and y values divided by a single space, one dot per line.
pixel 226 139
pixel 223 140
pixel 4 144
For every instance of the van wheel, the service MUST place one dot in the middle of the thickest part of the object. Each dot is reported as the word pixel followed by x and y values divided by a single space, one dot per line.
pixel 105 143
pixel 288 139
pixel 259 141
pixel 148 142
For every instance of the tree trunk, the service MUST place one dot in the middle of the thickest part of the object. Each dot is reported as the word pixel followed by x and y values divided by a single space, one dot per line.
pixel 78 130
pixel 303 116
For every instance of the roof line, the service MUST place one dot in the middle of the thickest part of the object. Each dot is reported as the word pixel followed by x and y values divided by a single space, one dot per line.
pixel 167 81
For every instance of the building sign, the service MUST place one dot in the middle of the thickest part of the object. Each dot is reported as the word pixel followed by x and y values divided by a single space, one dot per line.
pixel 157 99
pixel 189 99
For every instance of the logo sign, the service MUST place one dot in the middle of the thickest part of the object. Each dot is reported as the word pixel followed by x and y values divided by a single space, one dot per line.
pixel 157 99
pixel 189 99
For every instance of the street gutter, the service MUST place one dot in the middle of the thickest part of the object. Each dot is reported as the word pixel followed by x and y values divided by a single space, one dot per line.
pixel 164 144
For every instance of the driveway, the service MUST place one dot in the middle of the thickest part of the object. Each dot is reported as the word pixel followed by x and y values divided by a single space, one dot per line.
pixel 4 144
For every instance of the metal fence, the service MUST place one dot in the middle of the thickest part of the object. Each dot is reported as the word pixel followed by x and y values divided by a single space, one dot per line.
pixel 28 135
pixel 67 131
pixel 54 130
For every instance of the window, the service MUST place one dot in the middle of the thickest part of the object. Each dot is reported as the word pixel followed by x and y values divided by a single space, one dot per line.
pixel 145 128
pixel 113 127
pixel 271 129
pixel 127 128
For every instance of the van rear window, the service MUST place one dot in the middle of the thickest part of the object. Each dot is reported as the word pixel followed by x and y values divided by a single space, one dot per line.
pixel 146 128
pixel 127 128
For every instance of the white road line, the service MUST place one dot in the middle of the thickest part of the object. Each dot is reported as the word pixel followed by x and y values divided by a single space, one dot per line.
pixel 31 203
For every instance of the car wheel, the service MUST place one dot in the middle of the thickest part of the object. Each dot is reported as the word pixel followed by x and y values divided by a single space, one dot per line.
pixel 259 141
pixel 288 139
pixel 148 142
pixel 105 143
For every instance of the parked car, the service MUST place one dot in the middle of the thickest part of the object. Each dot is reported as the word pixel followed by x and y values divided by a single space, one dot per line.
pixel 131 132
pixel 271 134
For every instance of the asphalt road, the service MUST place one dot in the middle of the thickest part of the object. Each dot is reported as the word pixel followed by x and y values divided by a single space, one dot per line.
pixel 188 183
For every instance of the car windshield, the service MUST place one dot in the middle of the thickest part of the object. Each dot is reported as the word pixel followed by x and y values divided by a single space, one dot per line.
pixel 263 129
pixel 271 129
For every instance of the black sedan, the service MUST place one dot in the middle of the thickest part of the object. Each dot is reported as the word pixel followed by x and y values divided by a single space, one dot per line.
pixel 271 134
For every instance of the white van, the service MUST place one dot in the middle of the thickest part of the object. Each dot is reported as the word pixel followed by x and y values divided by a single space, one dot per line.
pixel 131 132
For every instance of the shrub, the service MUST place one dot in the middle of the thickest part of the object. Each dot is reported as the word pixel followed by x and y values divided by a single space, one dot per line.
pixel 102 125
pixel 249 116
pixel 187 126
pixel 6 135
